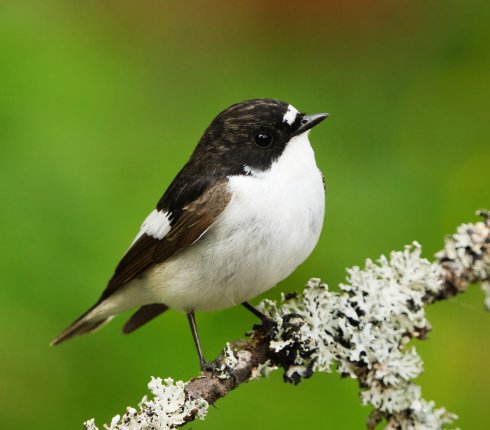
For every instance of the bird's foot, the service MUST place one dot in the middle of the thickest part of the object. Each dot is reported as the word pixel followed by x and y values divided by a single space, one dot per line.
pixel 268 326
pixel 209 366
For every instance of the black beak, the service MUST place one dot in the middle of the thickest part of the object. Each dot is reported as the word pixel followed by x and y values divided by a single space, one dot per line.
pixel 309 121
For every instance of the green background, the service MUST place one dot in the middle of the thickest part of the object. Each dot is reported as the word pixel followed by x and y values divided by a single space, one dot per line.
pixel 102 102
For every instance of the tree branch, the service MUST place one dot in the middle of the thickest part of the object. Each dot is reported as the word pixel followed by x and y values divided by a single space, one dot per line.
pixel 361 332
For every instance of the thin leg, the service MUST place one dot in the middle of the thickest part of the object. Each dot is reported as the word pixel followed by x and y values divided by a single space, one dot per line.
pixel 255 311
pixel 268 324
pixel 195 335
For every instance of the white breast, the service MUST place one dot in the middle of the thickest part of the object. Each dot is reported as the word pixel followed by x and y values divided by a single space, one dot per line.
pixel 270 226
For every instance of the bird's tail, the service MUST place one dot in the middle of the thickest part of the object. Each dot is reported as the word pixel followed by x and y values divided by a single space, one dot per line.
pixel 86 323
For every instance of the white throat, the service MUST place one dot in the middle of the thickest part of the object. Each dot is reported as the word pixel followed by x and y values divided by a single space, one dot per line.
pixel 297 159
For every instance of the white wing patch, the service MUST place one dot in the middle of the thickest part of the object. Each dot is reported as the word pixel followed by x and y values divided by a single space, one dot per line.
pixel 156 225
pixel 290 115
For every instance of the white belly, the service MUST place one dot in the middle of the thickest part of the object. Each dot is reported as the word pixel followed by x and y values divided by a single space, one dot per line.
pixel 270 226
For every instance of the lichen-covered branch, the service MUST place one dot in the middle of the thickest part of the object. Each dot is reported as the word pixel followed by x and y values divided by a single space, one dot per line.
pixel 362 332
pixel 465 259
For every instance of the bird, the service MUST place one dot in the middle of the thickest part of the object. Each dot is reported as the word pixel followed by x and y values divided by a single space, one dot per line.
pixel 241 215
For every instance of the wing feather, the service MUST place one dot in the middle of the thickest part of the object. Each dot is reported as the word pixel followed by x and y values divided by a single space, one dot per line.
pixel 190 224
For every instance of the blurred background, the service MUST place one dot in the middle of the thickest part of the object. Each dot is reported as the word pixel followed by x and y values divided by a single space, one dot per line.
pixel 102 102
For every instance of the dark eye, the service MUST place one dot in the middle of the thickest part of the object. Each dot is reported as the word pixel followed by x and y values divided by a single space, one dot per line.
pixel 263 140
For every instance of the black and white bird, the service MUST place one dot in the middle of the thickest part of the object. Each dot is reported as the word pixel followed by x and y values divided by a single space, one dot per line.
pixel 240 216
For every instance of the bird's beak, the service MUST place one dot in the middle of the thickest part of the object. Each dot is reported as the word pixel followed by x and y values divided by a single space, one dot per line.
pixel 309 121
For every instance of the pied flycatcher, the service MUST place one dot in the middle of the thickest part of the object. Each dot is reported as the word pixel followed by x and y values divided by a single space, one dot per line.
pixel 240 216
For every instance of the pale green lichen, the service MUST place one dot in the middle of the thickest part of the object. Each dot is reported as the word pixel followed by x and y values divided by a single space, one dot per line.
pixel 167 409
pixel 228 363
pixel 362 332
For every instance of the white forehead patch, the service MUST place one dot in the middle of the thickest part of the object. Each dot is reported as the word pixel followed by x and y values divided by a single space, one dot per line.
pixel 290 115
pixel 156 225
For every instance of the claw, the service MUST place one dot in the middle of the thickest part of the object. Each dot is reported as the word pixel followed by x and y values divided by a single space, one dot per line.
pixel 209 366
pixel 268 326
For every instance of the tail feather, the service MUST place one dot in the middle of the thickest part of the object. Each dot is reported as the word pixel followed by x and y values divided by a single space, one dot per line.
pixel 97 316
pixel 85 324
pixel 143 315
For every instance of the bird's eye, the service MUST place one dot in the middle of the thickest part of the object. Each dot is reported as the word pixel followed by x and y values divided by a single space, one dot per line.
pixel 263 140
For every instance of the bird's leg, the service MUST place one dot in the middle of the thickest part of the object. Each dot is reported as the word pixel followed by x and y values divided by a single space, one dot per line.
pixel 267 323
pixel 255 311
pixel 192 322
